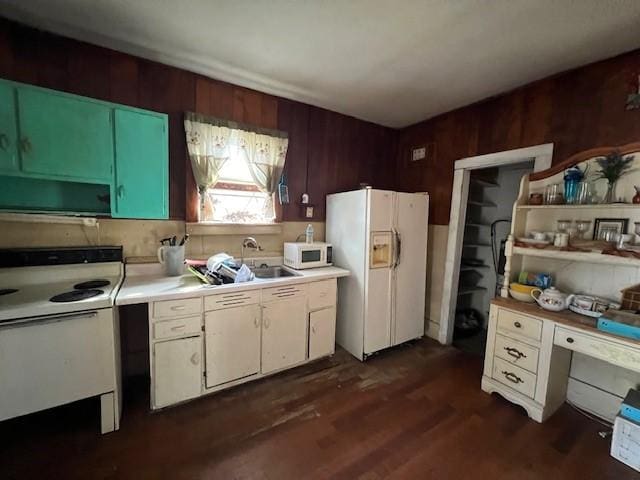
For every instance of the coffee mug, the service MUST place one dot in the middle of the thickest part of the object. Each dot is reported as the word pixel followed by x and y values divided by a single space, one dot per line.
pixel 172 257
pixel 539 236
pixel 583 301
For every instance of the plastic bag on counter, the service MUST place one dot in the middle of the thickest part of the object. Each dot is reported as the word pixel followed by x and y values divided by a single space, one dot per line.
pixel 244 274
pixel 214 262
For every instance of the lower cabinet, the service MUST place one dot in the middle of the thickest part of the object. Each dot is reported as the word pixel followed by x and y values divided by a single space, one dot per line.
pixel 232 344
pixel 322 333
pixel 177 370
pixel 284 333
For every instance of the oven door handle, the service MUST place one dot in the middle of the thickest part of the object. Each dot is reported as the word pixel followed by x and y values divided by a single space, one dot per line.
pixel 25 322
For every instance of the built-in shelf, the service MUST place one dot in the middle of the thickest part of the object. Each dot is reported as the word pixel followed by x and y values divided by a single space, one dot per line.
pixel 470 290
pixel 484 183
pixel 469 268
pixel 480 203
pixel 477 225
pixel 586 257
pixel 595 206
pixel 476 245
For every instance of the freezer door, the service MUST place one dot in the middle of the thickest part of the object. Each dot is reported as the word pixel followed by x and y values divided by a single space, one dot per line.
pixel 377 323
pixel 412 212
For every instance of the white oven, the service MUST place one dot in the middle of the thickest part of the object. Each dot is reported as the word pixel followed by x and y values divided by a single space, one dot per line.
pixel 300 255
pixel 56 359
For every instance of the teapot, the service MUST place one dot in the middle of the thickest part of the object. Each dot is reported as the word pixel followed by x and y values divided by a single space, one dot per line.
pixel 552 299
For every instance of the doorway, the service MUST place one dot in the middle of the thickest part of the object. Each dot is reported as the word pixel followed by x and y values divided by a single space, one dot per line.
pixel 484 190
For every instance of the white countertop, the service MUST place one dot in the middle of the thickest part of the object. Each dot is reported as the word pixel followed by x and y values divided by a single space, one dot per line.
pixel 147 288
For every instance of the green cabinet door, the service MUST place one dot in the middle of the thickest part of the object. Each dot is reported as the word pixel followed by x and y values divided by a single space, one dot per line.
pixel 142 166
pixel 64 137
pixel 8 129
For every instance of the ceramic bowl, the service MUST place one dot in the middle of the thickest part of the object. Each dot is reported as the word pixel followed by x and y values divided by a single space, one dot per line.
pixel 522 288
pixel 522 297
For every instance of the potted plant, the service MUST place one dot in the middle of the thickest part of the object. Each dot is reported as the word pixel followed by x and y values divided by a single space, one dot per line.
pixel 612 168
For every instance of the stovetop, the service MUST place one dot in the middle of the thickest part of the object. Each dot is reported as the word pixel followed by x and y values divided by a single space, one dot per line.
pixel 88 282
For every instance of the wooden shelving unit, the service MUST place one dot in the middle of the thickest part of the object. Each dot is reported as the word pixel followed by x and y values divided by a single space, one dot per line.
pixel 596 206
pixel 587 257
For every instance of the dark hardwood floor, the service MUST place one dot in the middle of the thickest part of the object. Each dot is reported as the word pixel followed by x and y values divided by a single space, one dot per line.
pixel 416 411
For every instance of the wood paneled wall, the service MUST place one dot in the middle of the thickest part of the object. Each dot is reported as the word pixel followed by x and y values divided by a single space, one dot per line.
pixel 576 110
pixel 328 152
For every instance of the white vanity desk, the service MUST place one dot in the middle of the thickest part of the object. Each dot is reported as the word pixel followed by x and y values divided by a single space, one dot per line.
pixel 528 359
pixel 528 354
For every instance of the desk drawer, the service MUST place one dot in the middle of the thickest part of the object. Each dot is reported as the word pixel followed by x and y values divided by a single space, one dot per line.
pixel 517 353
pixel 231 299
pixel 284 292
pixel 514 377
pixel 322 294
pixel 597 347
pixel 511 322
pixel 177 327
pixel 177 308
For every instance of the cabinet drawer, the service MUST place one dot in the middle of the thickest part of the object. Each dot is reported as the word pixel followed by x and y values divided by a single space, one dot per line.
pixel 175 308
pixel 231 299
pixel 177 327
pixel 511 322
pixel 517 353
pixel 284 292
pixel 322 294
pixel 515 377
pixel 593 346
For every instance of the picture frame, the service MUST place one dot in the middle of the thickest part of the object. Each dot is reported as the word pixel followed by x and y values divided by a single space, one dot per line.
pixel 619 225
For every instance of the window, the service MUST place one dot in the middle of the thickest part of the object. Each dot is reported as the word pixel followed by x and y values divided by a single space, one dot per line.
pixel 237 169
pixel 235 198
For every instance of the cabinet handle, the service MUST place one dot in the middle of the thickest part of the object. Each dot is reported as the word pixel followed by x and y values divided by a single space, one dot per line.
pixel 266 322
pixel 515 353
pixel 195 358
pixel 517 324
pixel 569 340
pixel 120 191
pixel 177 327
pixel 313 329
pixel 512 377
pixel 178 307
pixel 4 141
pixel 25 145
pixel 256 322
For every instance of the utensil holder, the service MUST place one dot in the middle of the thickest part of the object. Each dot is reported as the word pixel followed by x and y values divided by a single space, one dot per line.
pixel 172 257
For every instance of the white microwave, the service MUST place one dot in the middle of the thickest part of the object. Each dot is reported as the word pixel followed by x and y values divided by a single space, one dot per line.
pixel 300 255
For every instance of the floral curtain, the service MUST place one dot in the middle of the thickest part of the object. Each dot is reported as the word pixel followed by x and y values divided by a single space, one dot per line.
pixel 209 141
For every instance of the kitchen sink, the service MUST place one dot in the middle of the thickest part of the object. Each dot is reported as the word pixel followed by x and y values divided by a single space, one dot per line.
pixel 272 272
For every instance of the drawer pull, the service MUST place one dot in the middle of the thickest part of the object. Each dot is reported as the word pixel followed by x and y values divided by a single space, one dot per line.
pixel 569 340
pixel 256 322
pixel 177 307
pixel 515 353
pixel 266 323
pixel 195 358
pixel 512 377
pixel 517 324
pixel 178 327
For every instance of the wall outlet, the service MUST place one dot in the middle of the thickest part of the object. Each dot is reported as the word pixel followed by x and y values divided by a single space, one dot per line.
pixel 418 154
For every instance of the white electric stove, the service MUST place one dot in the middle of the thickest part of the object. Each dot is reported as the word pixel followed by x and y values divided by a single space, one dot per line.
pixel 59 331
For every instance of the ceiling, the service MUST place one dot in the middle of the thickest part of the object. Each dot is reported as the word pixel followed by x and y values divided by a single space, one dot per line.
pixel 390 62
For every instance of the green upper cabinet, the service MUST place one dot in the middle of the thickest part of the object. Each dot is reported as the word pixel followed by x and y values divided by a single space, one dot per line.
pixel 64 137
pixel 8 130
pixel 140 189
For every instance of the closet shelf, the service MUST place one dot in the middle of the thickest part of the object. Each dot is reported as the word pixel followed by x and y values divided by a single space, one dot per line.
pixel 476 224
pixel 476 245
pixel 586 257
pixel 470 290
pixel 469 268
pixel 484 183
pixel 480 203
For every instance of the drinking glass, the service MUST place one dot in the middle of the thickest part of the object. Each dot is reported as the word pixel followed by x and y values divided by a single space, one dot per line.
pixel 583 227
pixel 563 225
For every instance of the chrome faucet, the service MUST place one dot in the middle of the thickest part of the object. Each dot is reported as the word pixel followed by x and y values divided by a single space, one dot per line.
pixel 249 242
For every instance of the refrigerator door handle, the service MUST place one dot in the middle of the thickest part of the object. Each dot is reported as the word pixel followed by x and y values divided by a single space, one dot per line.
pixel 398 248
pixel 395 248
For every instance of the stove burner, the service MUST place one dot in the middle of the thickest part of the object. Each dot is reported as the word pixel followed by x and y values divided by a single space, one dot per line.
pixel 91 284
pixel 7 291
pixel 75 295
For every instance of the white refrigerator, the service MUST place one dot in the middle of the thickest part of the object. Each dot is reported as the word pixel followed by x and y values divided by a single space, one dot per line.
pixel 381 238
